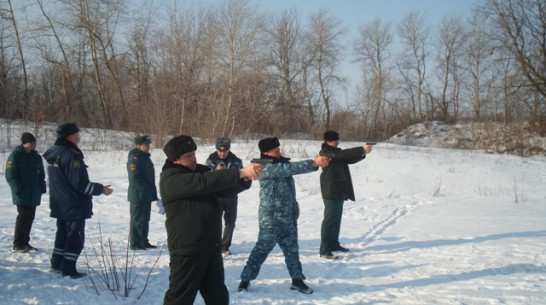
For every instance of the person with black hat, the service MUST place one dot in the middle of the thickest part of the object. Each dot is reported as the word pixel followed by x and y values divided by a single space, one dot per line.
pixel 141 192
pixel 223 158
pixel 336 187
pixel 190 193
pixel 278 213
pixel 70 196
pixel 26 178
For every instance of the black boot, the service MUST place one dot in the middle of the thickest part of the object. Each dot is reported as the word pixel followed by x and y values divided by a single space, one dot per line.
pixel 243 286
pixel 300 286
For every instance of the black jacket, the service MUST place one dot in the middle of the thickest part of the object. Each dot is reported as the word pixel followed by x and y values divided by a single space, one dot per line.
pixel 335 179
pixel 193 217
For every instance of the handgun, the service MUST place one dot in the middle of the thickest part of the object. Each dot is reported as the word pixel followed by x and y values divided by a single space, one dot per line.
pixel 371 143
pixel 261 161
pixel 327 153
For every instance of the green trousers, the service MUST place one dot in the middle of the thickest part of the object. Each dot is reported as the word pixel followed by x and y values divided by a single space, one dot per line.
pixel 331 224
pixel 140 219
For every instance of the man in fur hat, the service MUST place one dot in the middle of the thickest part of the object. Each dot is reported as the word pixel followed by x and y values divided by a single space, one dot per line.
pixel 190 193
pixel 336 187
pixel 278 214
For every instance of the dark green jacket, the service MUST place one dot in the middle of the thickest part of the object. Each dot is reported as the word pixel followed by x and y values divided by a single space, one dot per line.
pixel 335 179
pixel 25 176
pixel 140 169
pixel 193 216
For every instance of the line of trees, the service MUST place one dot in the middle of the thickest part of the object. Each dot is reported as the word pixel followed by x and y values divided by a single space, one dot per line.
pixel 232 70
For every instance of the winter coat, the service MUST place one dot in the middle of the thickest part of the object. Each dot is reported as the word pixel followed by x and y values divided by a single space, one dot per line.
pixel 335 179
pixel 278 205
pixel 70 191
pixel 230 162
pixel 25 176
pixel 140 170
pixel 190 199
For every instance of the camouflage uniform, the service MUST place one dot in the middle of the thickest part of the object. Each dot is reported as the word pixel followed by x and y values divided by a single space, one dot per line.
pixel 278 214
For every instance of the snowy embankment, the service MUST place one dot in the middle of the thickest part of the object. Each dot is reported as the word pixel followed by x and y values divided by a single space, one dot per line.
pixel 429 226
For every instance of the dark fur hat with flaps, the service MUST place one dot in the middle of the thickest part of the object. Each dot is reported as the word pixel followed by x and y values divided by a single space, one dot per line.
pixel 268 144
pixel 142 139
pixel 223 144
pixel 178 146
pixel 27 137
pixel 67 129
pixel 331 135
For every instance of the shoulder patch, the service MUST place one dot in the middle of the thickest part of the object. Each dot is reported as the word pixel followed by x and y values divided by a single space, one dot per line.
pixel 9 164
pixel 132 167
pixel 76 164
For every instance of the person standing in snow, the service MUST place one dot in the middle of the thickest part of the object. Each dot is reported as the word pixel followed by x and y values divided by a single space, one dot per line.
pixel 26 178
pixel 278 213
pixel 336 187
pixel 141 192
pixel 190 193
pixel 70 198
pixel 221 159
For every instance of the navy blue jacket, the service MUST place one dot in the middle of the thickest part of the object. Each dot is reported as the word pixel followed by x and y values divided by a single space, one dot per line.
pixel 70 191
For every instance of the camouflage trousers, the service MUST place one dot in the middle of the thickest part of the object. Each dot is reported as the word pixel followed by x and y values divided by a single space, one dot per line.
pixel 287 238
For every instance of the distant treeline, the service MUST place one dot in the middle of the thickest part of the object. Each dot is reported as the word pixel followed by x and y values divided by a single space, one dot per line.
pixel 229 69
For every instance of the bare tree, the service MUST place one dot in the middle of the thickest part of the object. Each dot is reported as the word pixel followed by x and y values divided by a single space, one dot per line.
pixel 288 58
pixel 414 35
pixel 100 18
pixel 20 53
pixel 372 50
pixel 237 30
pixel 480 68
pixel 326 37
pixel 450 46
pixel 518 26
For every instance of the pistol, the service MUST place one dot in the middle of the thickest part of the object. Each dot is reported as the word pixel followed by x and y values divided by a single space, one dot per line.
pixel 261 161
pixel 327 153
pixel 371 143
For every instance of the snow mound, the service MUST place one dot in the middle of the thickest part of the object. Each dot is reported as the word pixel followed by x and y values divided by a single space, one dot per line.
pixel 518 139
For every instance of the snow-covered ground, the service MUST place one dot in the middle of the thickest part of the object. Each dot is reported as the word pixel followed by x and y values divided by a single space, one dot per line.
pixel 429 226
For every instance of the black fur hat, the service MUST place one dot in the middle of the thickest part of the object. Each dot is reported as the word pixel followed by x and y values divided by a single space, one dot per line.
pixel 178 146
pixel 268 144
pixel 331 135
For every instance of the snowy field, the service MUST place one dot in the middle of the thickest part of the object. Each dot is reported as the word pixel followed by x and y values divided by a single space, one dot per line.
pixel 429 226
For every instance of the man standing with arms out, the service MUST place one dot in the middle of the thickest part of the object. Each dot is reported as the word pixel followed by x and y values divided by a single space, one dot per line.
pixel 190 194
pixel 26 178
pixel 141 192
pixel 278 214
pixel 223 158
pixel 70 196
pixel 336 187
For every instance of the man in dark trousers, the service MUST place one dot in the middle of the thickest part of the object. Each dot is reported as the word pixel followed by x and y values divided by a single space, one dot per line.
pixel 141 192
pixel 336 187
pixel 70 198
pixel 221 159
pixel 26 178
pixel 190 194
